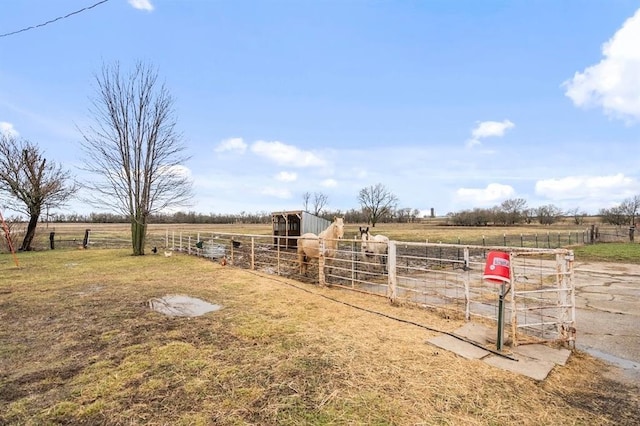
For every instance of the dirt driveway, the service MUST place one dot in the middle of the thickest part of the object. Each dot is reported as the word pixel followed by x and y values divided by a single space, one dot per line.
pixel 608 314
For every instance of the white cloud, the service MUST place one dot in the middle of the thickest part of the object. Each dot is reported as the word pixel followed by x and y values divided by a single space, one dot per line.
pixel 282 193
pixel 142 4
pixel 287 177
pixel 329 183
pixel 181 170
pixel 614 82
pixel 231 144
pixel 486 129
pixel 577 187
pixel 286 155
pixel 494 192
pixel 8 129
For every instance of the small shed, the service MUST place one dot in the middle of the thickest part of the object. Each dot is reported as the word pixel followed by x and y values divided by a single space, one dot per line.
pixel 294 224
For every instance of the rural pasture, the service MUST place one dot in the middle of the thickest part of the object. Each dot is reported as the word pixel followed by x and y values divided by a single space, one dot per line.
pixel 79 345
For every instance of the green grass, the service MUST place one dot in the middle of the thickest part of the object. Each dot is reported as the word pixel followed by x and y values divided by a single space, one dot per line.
pixel 609 252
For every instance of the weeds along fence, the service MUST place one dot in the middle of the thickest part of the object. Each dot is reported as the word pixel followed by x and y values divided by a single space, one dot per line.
pixel 118 236
pixel 79 237
pixel 444 277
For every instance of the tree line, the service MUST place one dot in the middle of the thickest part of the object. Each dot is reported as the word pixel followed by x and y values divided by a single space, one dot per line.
pixel 515 211
pixel 133 151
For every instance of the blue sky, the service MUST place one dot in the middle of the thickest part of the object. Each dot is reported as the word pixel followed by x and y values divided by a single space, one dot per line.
pixel 449 104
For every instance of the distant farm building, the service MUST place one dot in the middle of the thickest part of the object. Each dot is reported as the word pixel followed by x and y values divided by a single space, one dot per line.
pixel 293 224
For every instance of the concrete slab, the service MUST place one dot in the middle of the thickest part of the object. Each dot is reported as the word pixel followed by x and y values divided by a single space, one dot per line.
pixel 534 368
pixel 459 347
pixel 535 361
pixel 543 353
pixel 477 332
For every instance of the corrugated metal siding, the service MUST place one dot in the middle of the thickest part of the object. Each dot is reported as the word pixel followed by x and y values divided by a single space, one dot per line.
pixel 312 223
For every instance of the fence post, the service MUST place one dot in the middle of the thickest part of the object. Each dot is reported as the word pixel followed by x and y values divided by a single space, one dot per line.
pixel 392 292
pixel 189 243
pixel 277 252
pixel 514 310
pixel 354 264
pixel 52 236
pixel 321 278
pixel 467 294
pixel 253 253
pixel 85 240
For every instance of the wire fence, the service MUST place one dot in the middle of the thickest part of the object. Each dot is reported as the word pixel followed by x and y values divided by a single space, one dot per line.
pixel 444 277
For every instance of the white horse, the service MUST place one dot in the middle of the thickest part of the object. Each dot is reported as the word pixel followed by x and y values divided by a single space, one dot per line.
pixel 309 244
pixel 375 247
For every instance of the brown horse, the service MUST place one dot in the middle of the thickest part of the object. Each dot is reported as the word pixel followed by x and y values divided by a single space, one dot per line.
pixel 309 244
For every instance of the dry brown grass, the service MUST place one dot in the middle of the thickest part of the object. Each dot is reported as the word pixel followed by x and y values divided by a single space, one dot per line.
pixel 79 345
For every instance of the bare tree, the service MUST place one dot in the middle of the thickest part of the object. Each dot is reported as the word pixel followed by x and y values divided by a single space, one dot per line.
pixel 577 215
pixel 630 207
pixel 376 202
pixel 319 201
pixel 134 149
pixel 306 197
pixel 514 209
pixel 613 216
pixel 549 214
pixel 29 182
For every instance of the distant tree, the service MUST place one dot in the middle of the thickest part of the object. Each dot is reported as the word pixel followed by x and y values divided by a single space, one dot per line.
pixel 613 216
pixel 28 182
pixel 403 215
pixel 320 200
pixel 630 207
pixel 376 202
pixel 528 215
pixel 306 198
pixel 133 148
pixel 577 215
pixel 549 214
pixel 513 209
pixel 475 217
pixel 354 216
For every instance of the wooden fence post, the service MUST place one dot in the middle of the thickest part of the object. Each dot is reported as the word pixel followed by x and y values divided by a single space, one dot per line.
pixel 85 240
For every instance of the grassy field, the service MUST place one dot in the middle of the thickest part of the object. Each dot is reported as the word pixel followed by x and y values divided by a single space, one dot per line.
pixel 79 345
pixel 560 235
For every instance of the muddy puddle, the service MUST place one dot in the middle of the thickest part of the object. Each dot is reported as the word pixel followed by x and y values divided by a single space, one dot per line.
pixel 182 306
